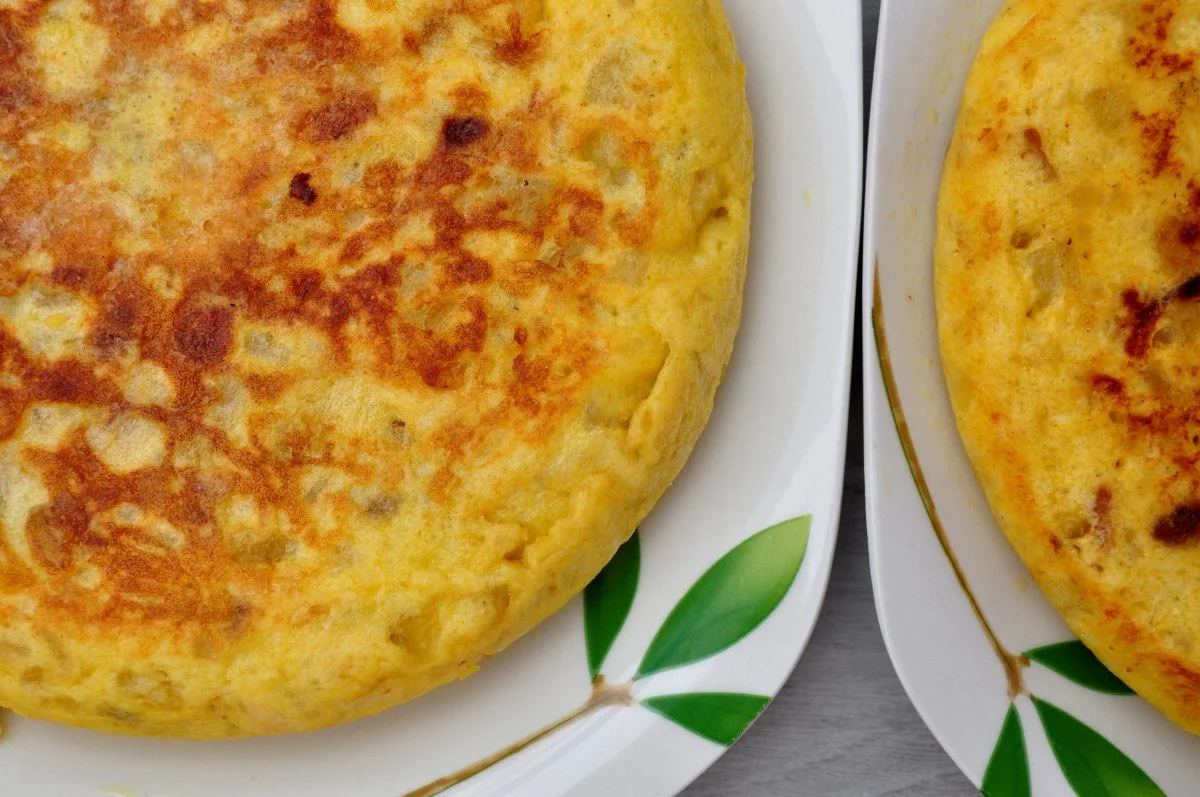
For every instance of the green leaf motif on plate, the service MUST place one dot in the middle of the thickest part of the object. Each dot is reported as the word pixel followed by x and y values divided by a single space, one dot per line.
pixel 607 600
pixel 731 599
pixel 1007 772
pixel 720 717
pixel 1074 661
pixel 1093 765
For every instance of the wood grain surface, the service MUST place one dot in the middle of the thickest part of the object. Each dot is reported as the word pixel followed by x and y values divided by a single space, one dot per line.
pixel 842 727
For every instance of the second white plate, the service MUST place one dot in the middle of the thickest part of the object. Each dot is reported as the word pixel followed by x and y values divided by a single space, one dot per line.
pixel 992 669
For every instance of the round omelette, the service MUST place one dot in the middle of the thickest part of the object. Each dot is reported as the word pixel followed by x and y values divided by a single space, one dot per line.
pixel 1068 302
pixel 342 341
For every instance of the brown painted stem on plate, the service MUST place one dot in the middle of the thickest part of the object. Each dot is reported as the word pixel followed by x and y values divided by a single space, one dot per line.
pixel 1014 665
pixel 603 696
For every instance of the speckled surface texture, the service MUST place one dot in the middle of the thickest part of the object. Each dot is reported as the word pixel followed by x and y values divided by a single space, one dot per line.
pixel 843 726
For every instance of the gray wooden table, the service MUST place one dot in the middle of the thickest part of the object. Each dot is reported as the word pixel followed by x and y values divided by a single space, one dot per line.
pixel 843 726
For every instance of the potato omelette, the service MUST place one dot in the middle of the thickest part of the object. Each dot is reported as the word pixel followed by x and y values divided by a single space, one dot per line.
pixel 342 341
pixel 1068 300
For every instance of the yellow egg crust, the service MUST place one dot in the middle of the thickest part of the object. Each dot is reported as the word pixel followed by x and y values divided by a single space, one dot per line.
pixel 342 341
pixel 1067 281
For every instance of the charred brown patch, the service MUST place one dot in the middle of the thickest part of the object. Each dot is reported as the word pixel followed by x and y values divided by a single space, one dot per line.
pixel 1141 321
pixel 1189 235
pixel 1109 385
pixel 306 284
pixel 1143 314
pixel 1189 290
pixel 1180 527
pixel 68 277
pixel 127 314
pixel 301 189
pixel 468 269
pixel 341 117
pixel 205 334
pixel 69 381
pixel 463 131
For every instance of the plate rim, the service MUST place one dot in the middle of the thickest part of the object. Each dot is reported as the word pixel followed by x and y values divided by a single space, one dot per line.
pixel 878 409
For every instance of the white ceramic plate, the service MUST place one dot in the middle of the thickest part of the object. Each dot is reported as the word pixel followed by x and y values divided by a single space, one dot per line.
pixel 773 453
pixel 957 609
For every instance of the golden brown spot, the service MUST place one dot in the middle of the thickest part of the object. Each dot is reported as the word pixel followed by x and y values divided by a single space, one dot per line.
pixel 69 277
pixel 55 530
pixel 989 139
pixel 313 41
pixel 437 357
pixel 1020 240
pixel 380 183
pixel 356 248
pixel 587 210
pixel 415 41
pixel 306 284
pixel 1102 508
pixel 532 376
pixel 205 334
pixel 517 48
pixel 1033 140
pixel 15 86
pixel 1148 47
pixel 68 381
pixel 339 118
pixel 1158 136
pixel 991 218
pixel 469 269
pixel 382 507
